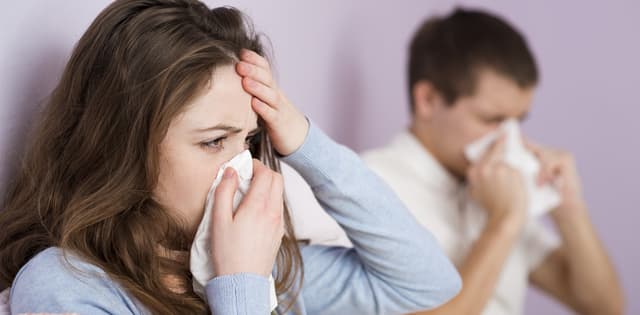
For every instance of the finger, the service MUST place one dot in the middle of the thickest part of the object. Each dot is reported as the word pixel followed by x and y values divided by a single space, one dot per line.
pixel 541 152
pixel 254 58
pixel 264 93
pixel 550 167
pixel 266 112
pixel 223 202
pixel 541 178
pixel 536 149
pixel 544 175
pixel 530 145
pixel 258 194
pixel 256 73
pixel 276 196
pixel 276 199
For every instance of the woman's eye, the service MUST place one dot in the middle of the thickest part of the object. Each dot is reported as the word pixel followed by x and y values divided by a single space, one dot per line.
pixel 216 144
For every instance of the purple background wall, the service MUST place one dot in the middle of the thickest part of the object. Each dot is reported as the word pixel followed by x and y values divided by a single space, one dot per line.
pixel 343 64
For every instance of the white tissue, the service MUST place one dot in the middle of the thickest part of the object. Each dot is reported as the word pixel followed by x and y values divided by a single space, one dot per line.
pixel 201 265
pixel 541 198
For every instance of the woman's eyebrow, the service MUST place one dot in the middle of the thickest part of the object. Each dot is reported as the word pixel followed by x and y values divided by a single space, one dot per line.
pixel 230 129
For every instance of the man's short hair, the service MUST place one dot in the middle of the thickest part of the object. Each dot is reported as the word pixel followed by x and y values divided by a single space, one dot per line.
pixel 450 51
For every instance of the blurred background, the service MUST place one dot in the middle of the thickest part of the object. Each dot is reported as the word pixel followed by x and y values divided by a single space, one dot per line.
pixel 343 64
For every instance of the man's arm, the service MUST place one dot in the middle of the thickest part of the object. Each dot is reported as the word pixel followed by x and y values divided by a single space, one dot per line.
pixel 579 273
pixel 499 189
pixel 481 269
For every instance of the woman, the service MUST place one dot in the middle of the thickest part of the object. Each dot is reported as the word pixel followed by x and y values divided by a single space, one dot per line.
pixel 156 97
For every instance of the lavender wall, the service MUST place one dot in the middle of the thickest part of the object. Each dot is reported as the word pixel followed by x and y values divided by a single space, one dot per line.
pixel 343 64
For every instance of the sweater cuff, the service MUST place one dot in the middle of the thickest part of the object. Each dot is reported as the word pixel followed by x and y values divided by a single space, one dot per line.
pixel 241 294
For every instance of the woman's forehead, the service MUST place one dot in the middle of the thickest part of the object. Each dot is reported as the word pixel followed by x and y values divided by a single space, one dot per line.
pixel 224 101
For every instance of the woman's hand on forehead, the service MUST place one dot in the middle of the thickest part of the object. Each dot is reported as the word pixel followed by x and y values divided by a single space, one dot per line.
pixel 287 127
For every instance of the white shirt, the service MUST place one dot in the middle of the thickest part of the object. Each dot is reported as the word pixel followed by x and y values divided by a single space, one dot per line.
pixel 440 203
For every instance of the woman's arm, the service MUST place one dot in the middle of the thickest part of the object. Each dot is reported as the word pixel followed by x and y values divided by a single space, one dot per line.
pixel 395 266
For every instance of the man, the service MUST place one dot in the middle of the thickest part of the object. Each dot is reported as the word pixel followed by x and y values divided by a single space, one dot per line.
pixel 469 72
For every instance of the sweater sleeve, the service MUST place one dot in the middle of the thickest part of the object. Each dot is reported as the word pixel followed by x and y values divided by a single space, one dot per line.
pixel 395 265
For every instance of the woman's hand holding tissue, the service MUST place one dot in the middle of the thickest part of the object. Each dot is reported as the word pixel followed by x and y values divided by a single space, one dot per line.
pixel 498 188
pixel 247 241
pixel 287 127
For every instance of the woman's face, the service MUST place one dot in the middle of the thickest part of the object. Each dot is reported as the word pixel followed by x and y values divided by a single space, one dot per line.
pixel 213 129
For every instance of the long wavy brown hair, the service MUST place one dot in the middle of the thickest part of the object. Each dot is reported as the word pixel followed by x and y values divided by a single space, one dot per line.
pixel 86 179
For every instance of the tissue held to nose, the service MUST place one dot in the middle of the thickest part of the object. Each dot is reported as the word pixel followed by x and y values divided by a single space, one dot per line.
pixel 541 199
pixel 200 262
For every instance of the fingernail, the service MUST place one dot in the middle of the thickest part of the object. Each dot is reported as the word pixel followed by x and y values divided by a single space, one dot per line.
pixel 228 173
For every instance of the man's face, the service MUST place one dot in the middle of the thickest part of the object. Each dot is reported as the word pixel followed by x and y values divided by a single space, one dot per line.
pixel 469 118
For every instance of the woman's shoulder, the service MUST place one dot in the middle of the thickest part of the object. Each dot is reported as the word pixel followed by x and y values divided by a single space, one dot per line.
pixel 58 259
pixel 55 267
pixel 59 281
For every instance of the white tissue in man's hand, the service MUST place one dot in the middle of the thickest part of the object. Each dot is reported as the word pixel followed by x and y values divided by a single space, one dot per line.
pixel 200 261
pixel 541 198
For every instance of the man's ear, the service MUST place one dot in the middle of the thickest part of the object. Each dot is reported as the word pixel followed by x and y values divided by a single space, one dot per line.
pixel 425 99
